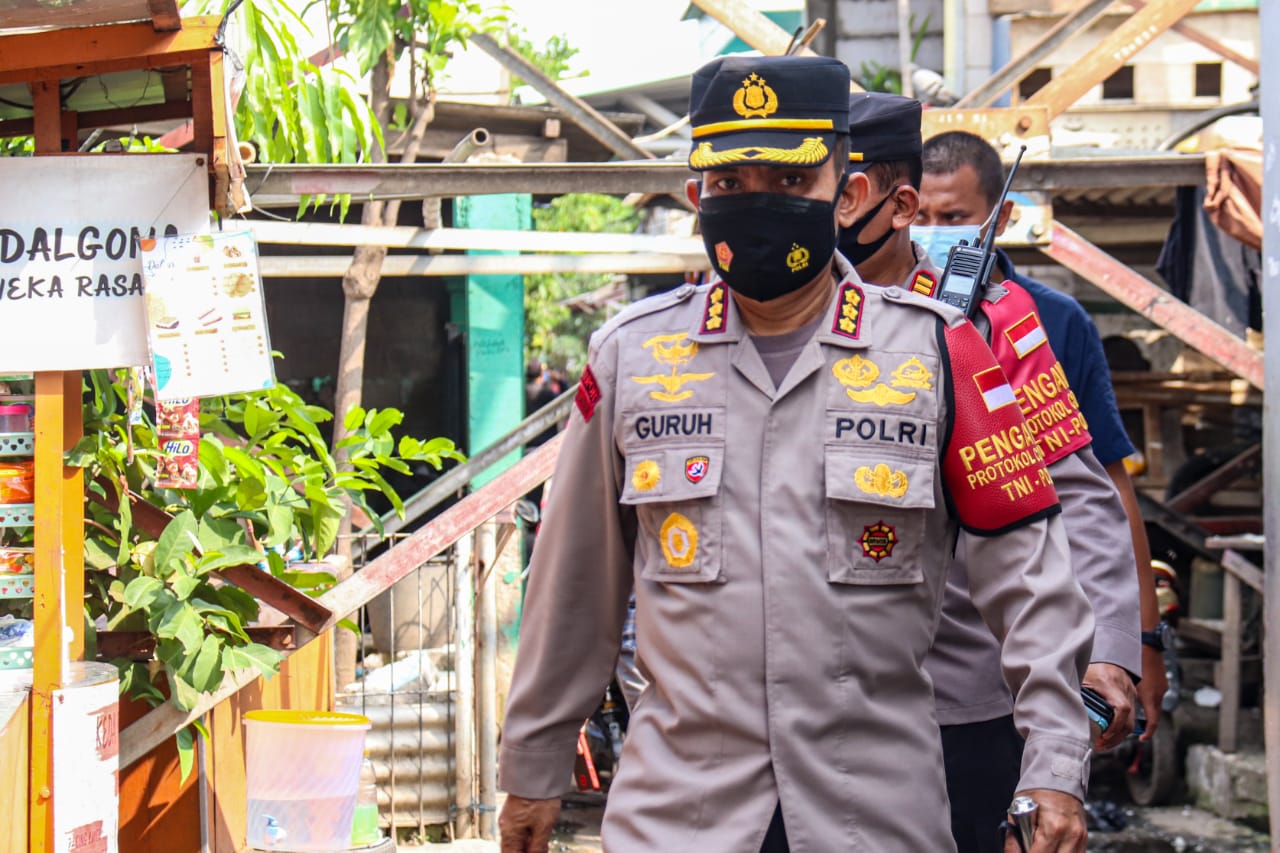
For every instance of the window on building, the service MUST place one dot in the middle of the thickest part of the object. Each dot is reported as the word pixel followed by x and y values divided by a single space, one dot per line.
pixel 1034 82
pixel 1119 86
pixel 1208 79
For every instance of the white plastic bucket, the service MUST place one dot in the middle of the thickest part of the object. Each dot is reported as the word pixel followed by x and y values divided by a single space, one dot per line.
pixel 302 771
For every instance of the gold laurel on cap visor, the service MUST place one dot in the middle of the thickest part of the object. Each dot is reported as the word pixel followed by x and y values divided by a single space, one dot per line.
pixel 761 148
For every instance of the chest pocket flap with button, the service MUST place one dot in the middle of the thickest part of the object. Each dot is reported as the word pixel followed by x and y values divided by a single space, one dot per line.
pixel 877 502
pixel 675 491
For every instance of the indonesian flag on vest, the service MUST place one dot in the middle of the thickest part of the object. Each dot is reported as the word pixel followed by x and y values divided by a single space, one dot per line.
pixel 1026 334
pixel 994 387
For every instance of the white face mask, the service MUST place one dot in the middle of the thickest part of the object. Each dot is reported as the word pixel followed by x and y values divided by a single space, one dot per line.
pixel 937 240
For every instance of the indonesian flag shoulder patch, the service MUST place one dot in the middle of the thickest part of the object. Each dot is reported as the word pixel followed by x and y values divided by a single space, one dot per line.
pixel 993 466
pixel 588 394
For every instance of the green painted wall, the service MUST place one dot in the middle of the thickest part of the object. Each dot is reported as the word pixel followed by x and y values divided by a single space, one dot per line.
pixel 490 308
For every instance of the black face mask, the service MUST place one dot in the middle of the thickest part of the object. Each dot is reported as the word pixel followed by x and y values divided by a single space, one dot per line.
pixel 766 245
pixel 857 252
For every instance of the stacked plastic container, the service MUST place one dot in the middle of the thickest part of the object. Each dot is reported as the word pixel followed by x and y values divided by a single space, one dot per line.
pixel 17 512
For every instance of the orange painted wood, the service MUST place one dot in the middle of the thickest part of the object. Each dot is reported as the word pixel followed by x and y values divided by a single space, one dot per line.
pixel 62 54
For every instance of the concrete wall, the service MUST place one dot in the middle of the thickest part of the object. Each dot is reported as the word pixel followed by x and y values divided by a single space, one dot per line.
pixel 867 31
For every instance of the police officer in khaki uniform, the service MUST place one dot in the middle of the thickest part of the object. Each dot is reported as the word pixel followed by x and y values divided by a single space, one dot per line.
pixel 981 744
pixel 780 464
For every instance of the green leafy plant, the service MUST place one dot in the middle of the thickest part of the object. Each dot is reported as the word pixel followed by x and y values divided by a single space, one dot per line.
pixel 267 481
pixel 554 333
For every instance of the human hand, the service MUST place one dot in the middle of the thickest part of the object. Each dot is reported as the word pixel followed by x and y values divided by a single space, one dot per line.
pixel 525 825
pixel 1151 690
pixel 1116 687
pixel 1059 824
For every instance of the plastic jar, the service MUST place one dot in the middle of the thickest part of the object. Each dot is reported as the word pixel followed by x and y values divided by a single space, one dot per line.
pixel 15 417
pixel 17 482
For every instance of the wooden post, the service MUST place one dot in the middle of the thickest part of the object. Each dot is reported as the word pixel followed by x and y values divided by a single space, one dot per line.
pixel 1229 684
pixel 59 532
pixel 464 729
pixel 1269 15
pixel 486 678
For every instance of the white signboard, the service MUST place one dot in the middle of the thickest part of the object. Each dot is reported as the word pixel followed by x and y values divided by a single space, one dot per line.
pixel 206 316
pixel 70 261
pixel 86 761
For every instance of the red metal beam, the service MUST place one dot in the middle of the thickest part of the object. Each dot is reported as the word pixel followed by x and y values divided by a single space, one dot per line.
pixel 1156 304
pixel 444 530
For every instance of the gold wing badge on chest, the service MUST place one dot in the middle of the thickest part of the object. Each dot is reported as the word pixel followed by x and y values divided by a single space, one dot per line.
pixel 674 351
pixel 857 375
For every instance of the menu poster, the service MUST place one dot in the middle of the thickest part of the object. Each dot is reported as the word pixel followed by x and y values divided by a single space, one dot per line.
pixel 206 317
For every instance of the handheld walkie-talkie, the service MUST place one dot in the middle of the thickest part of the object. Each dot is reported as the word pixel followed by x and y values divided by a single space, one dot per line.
pixel 969 266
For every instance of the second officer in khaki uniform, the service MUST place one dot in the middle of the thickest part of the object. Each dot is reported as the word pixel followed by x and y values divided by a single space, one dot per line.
pixel 780 463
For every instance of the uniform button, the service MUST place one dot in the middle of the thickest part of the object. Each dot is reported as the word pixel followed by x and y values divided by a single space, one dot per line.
pixel 891 293
pixel 685 289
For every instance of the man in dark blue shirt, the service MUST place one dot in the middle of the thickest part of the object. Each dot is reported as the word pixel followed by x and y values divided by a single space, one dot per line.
pixel 962 180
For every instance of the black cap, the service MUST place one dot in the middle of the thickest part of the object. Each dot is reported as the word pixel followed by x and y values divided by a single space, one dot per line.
pixel 882 127
pixel 767 111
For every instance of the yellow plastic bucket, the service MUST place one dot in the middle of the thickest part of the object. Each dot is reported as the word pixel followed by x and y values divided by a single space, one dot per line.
pixel 302 771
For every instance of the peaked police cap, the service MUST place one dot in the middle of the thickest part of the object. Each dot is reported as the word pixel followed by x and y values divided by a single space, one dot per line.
pixel 767 111
pixel 882 127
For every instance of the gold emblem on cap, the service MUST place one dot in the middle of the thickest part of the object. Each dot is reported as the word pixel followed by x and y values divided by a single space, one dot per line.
pixel 798 257
pixel 755 98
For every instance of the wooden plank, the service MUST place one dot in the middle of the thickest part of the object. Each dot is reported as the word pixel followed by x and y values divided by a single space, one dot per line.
pixel 107 118
pixel 165 17
pixel 467 239
pixel 1014 124
pixel 1229 711
pixel 1153 302
pixel 1115 50
pixel 20 14
pixel 1202 490
pixel 579 111
pixel 1229 525
pixel 203 100
pixel 333 266
pixel 1071 25
pixel 265 587
pixel 1246 571
pixel 63 54
pixel 1243 542
pixel 141 645
pixel 280 184
pixel 1190 33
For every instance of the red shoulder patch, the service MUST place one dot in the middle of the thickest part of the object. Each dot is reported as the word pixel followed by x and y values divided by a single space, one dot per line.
pixel 713 310
pixel 848 319
pixel 993 467
pixel 588 394
pixel 924 283
pixel 1036 377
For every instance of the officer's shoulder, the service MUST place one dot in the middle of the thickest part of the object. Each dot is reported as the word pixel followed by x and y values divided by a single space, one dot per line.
pixel 658 302
pixel 909 301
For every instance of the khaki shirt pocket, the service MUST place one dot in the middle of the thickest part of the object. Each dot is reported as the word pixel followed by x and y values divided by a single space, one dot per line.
pixel 878 500
pixel 675 492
